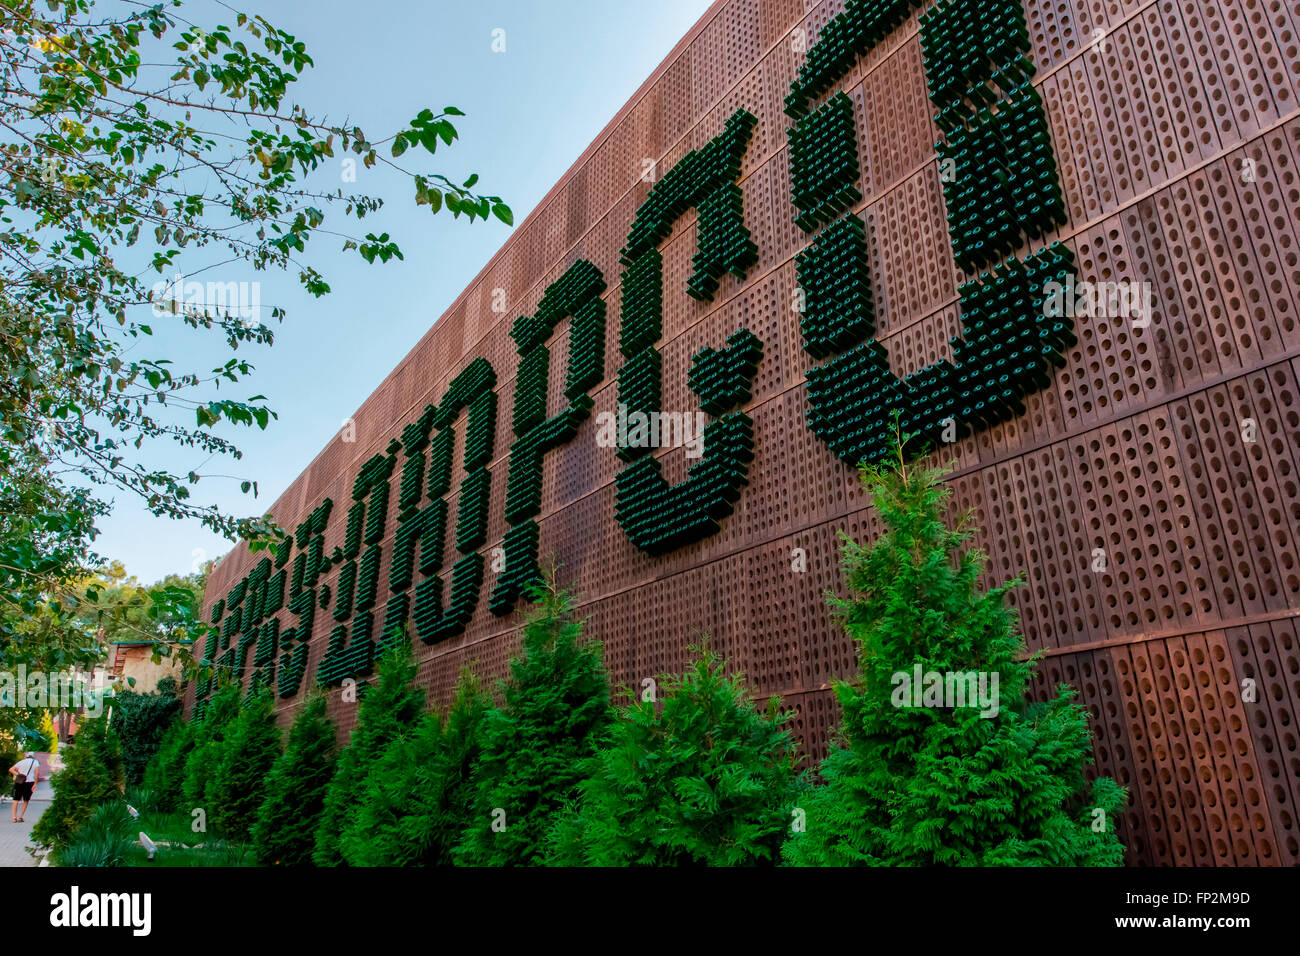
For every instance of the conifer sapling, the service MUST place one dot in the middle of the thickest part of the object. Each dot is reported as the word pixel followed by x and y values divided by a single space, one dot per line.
pixel 700 777
pixel 384 712
pixel 556 714
pixel 252 748
pixel 165 774
pixel 92 774
pixel 959 770
pixel 285 831
pixel 205 756
pixel 417 800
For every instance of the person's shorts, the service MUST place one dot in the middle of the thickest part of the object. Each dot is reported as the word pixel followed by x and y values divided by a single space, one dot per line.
pixel 23 791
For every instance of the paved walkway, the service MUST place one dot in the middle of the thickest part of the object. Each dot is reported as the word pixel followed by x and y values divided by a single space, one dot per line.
pixel 16 837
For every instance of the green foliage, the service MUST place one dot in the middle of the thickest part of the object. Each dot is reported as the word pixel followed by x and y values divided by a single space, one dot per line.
pixel 144 800
pixel 104 840
pixel 204 759
pixel 111 113
pixel 165 774
pixel 92 774
pixel 210 853
pixel 8 757
pixel 942 785
pixel 422 791
pixel 285 831
pixel 112 605
pixel 384 712
pixel 251 750
pixel 109 839
pixel 72 622
pixel 556 714
pixel 141 721
pixel 701 778
pixel 374 835
pixel 143 143
pixel 105 851
pixel 46 532
pixel 19 733
pixel 29 738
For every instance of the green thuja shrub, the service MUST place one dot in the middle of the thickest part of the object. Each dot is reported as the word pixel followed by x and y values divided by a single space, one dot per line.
pixel 699 778
pixel 918 781
pixel 285 832
pixel 92 775
pixel 374 833
pixel 141 721
pixel 384 712
pixel 251 750
pixel 421 793
pixel 165 774
pixel 197 789
pixel 556 714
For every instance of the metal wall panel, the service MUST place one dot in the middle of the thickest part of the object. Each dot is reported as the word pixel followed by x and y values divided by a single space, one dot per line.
pixel 1156 111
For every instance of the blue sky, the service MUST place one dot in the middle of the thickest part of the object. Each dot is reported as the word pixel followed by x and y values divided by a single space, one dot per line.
pixel 568 67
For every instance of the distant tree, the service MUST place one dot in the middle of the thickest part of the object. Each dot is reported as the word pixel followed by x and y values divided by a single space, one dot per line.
pixel 421 791
pixel 700 777
pixel 115 607
pixel 384 712
pixel 251 749
pixel 92 774
pixel 556 714
pixel 285 831
pixel 73 623
pixel 921 780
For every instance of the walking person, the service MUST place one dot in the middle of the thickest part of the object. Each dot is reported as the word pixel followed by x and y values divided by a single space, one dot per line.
pixel 26 774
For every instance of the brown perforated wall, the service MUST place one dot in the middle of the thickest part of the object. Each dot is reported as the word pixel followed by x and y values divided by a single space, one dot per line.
pixel 1177 137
